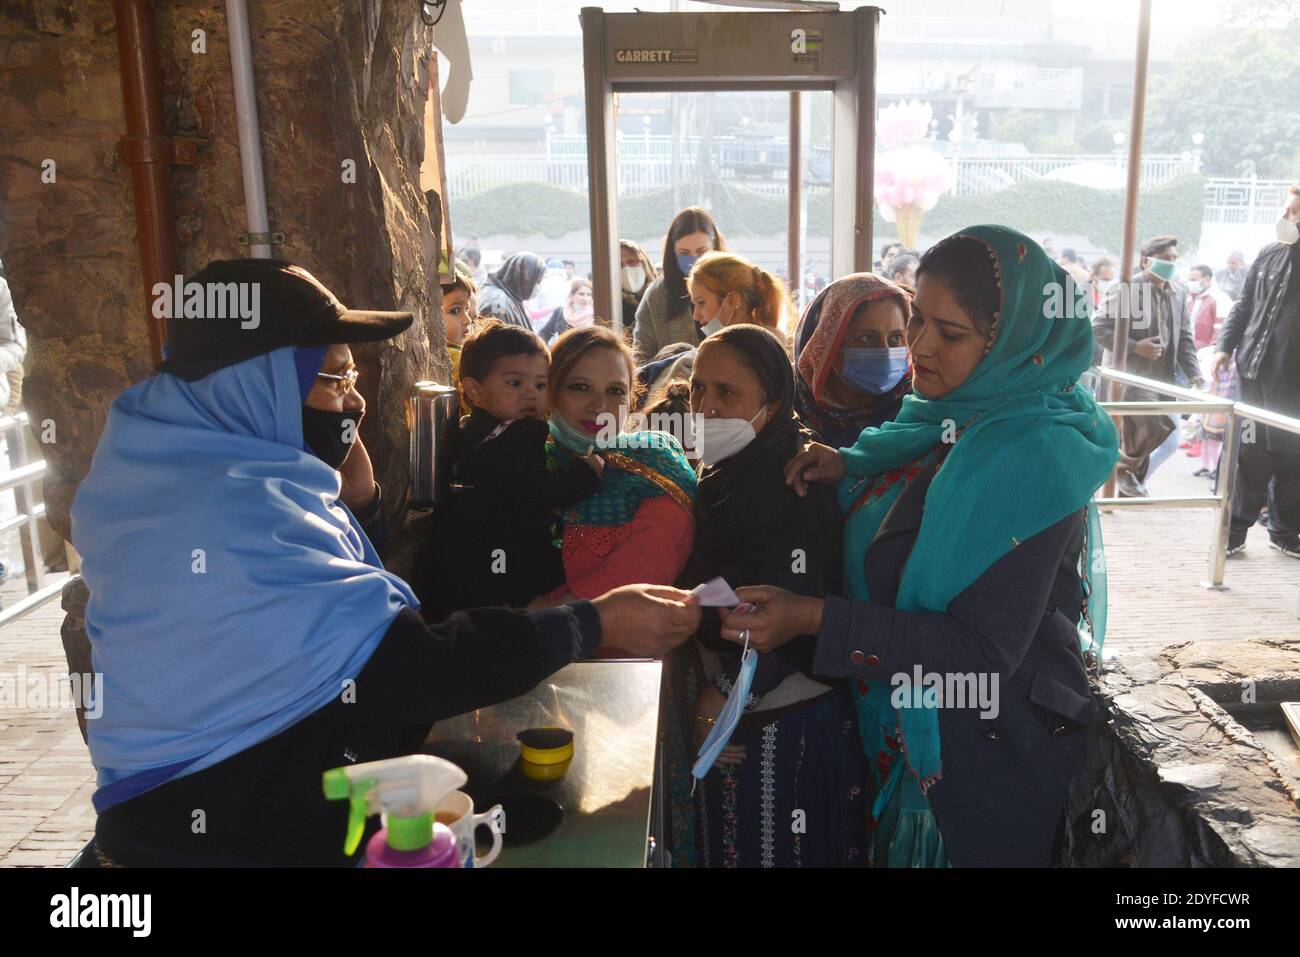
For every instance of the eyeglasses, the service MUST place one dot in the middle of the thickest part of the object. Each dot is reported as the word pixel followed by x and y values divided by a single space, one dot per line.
pixel 343 384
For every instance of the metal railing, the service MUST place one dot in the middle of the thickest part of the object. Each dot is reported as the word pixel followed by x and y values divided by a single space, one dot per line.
pixel 1189 400
pixel 20 476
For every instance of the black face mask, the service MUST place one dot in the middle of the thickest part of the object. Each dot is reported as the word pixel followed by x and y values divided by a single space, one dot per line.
pixel 330 434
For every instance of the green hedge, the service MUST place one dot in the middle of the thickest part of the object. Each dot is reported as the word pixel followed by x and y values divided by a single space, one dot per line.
pixel 1033 206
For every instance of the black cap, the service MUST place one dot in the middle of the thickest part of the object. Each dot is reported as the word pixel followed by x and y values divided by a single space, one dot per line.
pixel 234 309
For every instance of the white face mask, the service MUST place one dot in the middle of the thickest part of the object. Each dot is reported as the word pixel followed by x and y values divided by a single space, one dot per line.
pixel 1287 231
pixel 712 326
pixel 633 278
pixel 1195 287
pixel 719 439
pixel 715 324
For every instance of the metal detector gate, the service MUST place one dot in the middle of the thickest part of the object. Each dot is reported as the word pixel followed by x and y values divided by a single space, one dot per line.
pixel 689 52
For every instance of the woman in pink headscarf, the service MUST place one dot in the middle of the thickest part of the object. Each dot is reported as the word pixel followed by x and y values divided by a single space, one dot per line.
pixel 851 366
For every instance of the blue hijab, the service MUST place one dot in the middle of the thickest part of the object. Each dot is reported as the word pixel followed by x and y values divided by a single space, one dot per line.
pixel 231 593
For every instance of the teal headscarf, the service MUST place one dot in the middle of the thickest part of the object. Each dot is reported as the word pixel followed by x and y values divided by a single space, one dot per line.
pixel 641 465
pixel 1030 449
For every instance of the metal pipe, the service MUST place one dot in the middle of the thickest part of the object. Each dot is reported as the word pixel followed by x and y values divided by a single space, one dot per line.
pixel 602 159
pixel 250 143
pixel 1159 408
pixel 1119 346
pixel 1171 501
pixel 146 149
pixel 794 254
pixel 1152 385
pixel 31 602
pixel 868 34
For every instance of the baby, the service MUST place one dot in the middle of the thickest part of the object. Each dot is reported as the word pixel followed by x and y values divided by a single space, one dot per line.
pixel 495 542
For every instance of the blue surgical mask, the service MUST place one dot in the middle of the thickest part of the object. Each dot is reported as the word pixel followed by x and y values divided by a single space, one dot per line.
pixel 686 263
pixel 728 717
pixel 874 371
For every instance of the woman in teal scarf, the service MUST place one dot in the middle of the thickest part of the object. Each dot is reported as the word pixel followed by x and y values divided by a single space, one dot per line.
pixel 966 518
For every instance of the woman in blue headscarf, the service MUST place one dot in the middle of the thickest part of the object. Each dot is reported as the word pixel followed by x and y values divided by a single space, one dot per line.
pixel 966 519
pixel 248 636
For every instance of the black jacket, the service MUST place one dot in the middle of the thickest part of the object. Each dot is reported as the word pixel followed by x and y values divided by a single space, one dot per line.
pixel 496 542
pixel 264 806
pixel 1256 315
pixel 1004 781
pixel 752 529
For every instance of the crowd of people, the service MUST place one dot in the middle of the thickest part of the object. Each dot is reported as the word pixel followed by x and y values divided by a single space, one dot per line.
pixel 1231 333
pixel 895 483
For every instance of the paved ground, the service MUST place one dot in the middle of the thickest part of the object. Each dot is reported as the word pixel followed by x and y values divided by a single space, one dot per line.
pixel 45 774
pixel 1156 561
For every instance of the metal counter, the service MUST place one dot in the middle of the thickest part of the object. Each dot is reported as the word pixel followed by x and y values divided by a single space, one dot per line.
pixel 612 707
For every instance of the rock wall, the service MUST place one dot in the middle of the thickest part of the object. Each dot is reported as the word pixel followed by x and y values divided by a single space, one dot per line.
pixel 1171 779
pixel 341 88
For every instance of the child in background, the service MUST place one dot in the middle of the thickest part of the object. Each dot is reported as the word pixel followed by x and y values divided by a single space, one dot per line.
pixel 1212 424
pixel 458 314
pixel 496 542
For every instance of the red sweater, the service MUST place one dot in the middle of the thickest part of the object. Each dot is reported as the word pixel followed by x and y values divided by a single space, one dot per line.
pixel 652 549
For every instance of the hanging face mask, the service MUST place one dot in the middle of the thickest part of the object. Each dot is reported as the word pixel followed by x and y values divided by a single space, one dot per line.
pixel 330 434
pixel 874 371
pixel 633 278
pixel 1287 231
pixel 1163 269
pixel 712 326
pixel 715 324
pixel 569 437
pixel 728 717
pixel 719 439
pixel 686 263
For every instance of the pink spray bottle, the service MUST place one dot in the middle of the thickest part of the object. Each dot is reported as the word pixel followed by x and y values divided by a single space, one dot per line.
pixel 409 790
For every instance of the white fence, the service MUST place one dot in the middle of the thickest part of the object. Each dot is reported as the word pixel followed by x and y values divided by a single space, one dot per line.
pixel 646 163
pixel 1255 202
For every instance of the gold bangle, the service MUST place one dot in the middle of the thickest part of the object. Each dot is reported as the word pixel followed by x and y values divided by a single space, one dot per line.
pixel 705 719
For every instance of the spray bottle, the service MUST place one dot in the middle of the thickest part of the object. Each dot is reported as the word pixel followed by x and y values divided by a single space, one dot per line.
pixel 409 790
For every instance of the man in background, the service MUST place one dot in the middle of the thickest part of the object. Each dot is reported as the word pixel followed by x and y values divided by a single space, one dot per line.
pixel 1207 304
pixel 1160 346
pixel 887 254
pixel 1231 280
pixel 1069 261
pixel 1263 331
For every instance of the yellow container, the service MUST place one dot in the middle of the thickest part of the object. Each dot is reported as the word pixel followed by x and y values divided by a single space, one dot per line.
pixel 545 746
pixel 545 772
